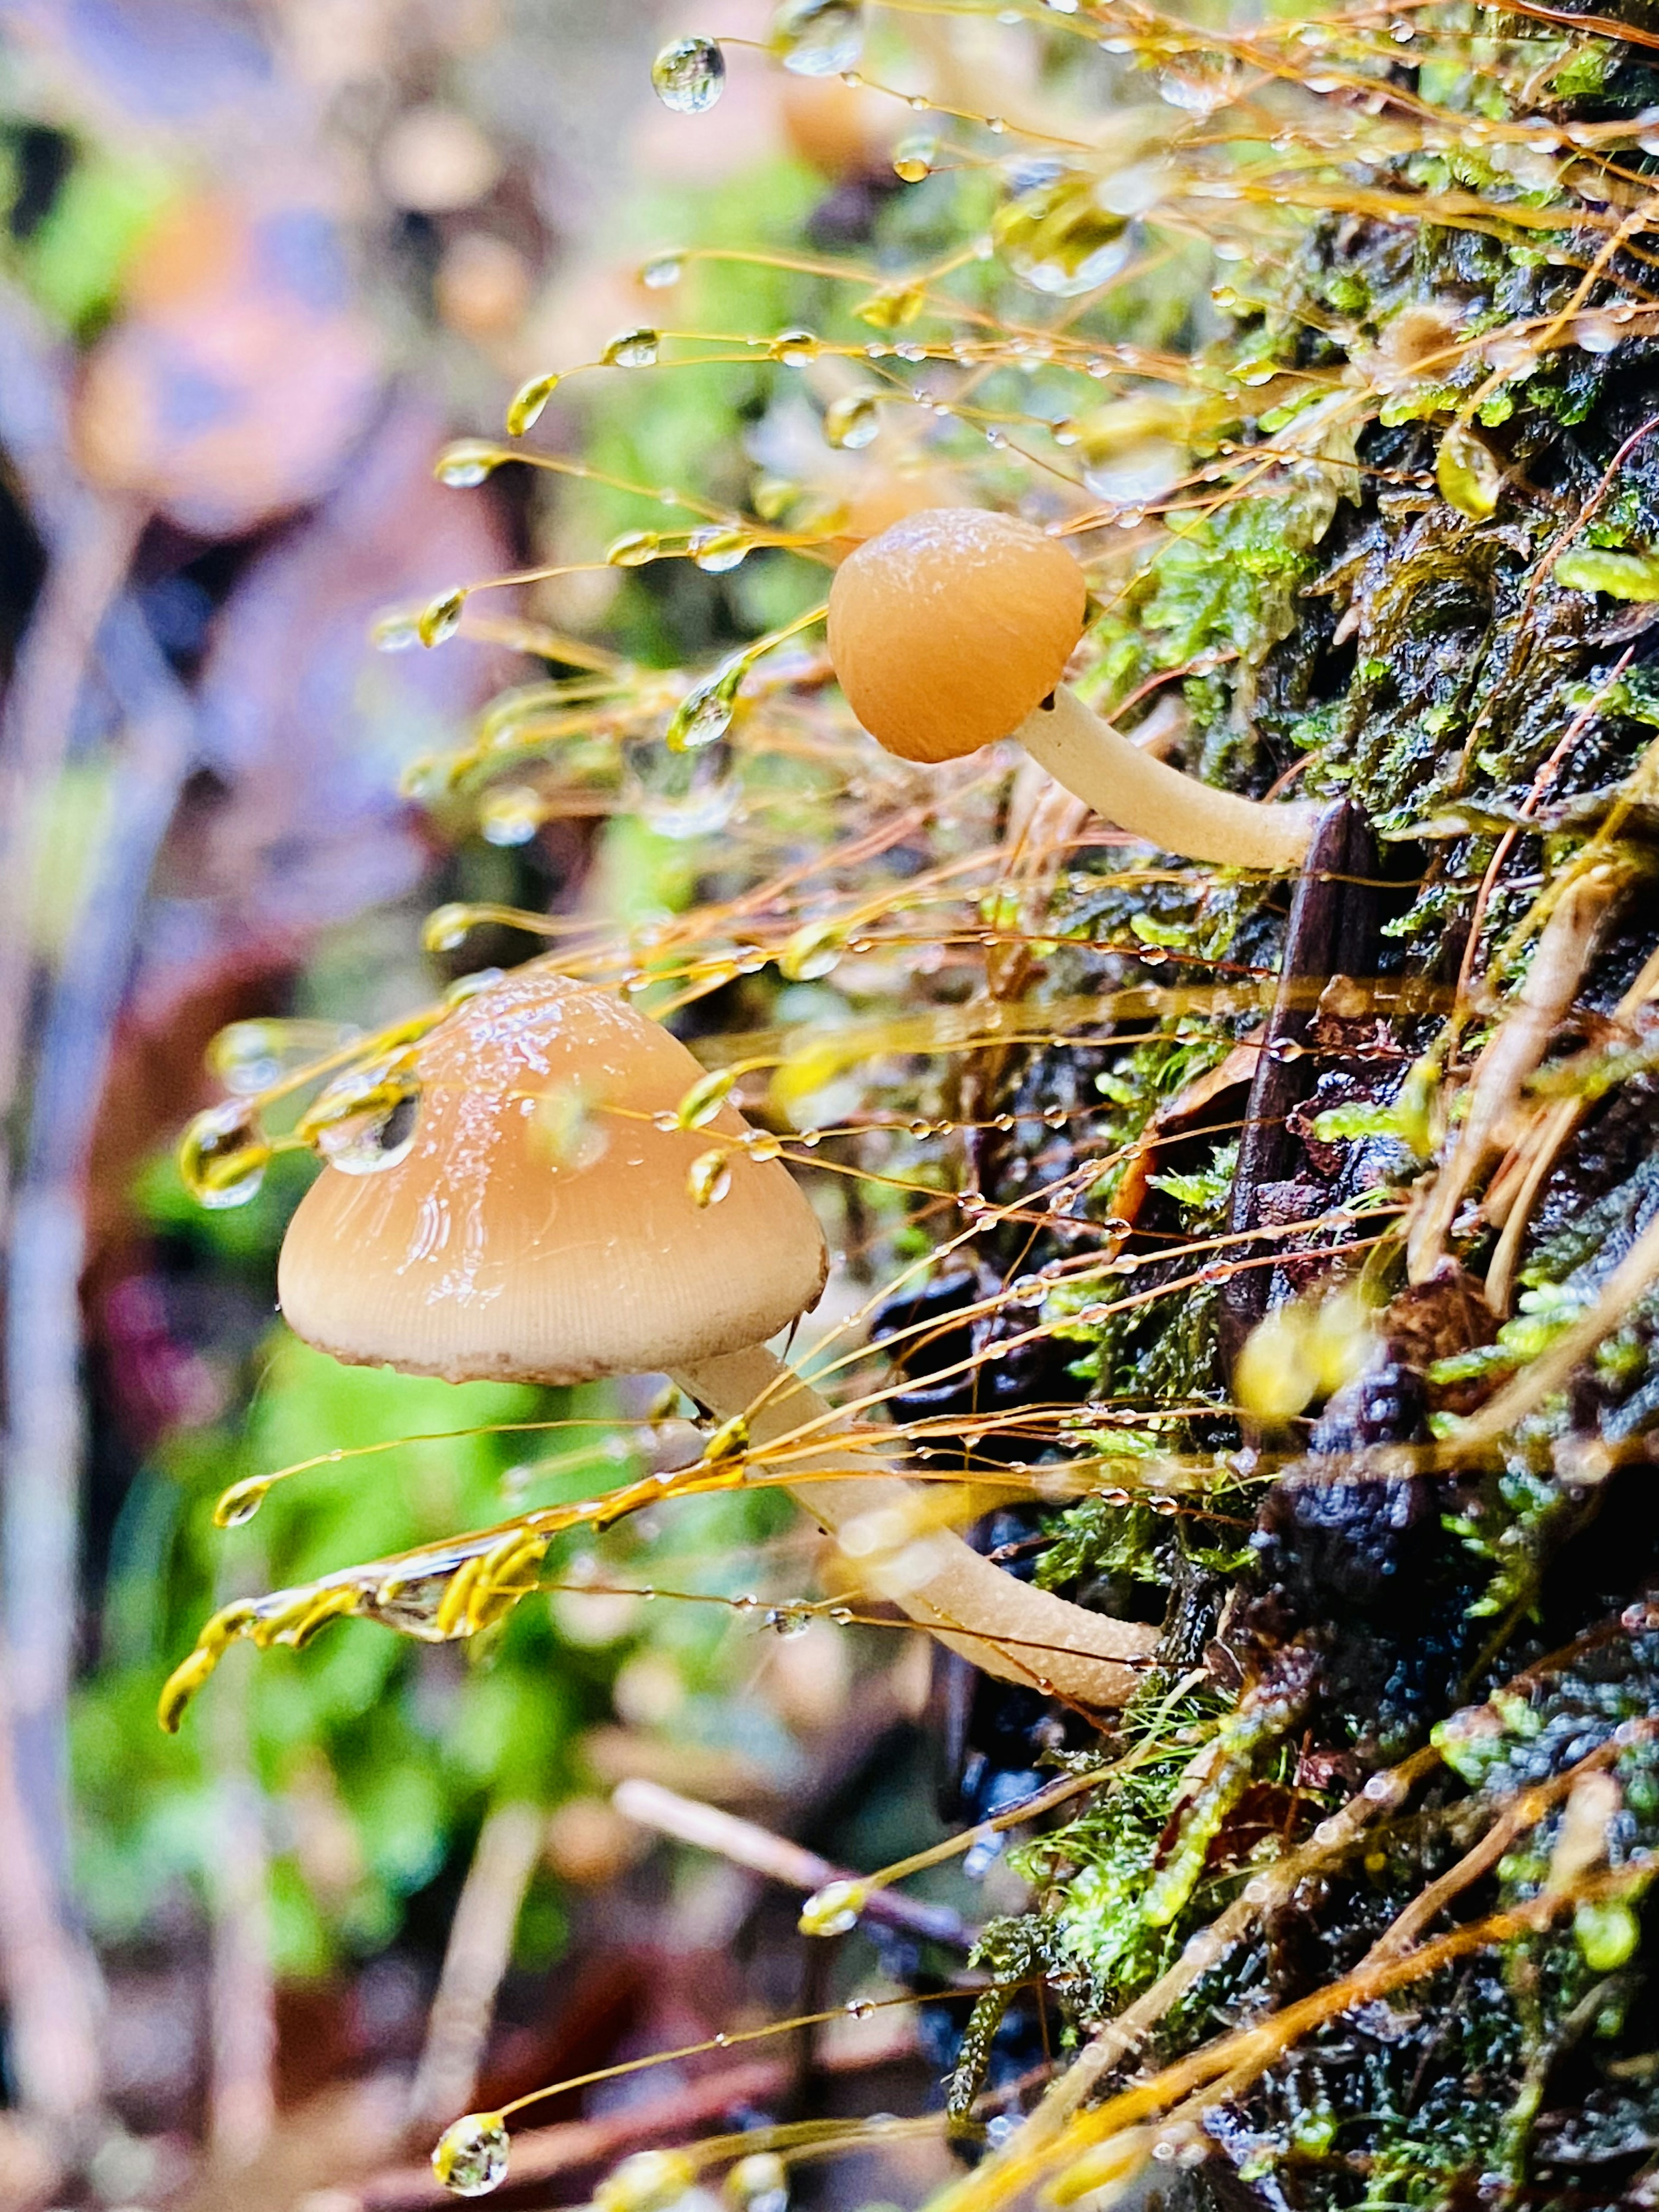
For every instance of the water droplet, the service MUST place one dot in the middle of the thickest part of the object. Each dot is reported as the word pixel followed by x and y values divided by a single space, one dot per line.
pixel 649 2181
pixel 1467 471
pixel 635 349
pixel 223 1157
pixel 709 1178
pixel 447 928
pixel 716 551
pixel 566 1131
pixel 239 1504
pixel 248 1057
pixel 681 794
pixel 890 309
pixel 834 1909
pixel 1596 332
pixel 365 1120
pixel 689 75
pixel 441 617
pixel 914 157
pixel 759 2183
pixel 632 549
pixel 861 2007
pixel 662 270
pixel 795 349
pixel 395 632
pixel 853 421
pixel 427 776
pixel 524 409
pixel 762 1145
pixel 1059 238
pixel 705 714
pixel 704 1099
pixel 788 1621
pixel 814 949
pixel 511 816
pixel 818 37
pixel 470 2157
pixel 467 462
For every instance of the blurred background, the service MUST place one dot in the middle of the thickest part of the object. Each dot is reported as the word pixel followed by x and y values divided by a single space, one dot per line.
pixel 257 263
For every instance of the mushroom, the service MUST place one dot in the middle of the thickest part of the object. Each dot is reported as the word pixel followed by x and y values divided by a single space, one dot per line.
pixel 540 1228
pixel 952 629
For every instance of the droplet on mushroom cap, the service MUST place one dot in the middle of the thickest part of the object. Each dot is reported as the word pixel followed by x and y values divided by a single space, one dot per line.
pixel 497 1248
pixel 948 629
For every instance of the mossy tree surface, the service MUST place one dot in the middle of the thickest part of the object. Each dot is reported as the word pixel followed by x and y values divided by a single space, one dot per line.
pixel 1483 691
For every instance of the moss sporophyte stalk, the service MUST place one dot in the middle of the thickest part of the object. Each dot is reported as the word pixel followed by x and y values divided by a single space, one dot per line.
pixel 1229 1110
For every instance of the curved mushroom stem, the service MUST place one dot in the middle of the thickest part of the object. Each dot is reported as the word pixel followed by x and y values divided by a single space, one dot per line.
pixel 1099 766
pixel 1012 1631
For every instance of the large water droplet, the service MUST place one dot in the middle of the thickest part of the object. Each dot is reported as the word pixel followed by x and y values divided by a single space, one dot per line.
pixel 815 949
pixel 715 550
pixel 914 157
pixel 818 37
pixel 1467 471
pixel 395 633
pixel 648 2181
pixel 1058 239
pixel 238 1505
pixel 365 1121
pixel 681 793
pixel 662 270
pixel 567 1131
pixel 441 617
pixel 466 463
pixel 834 1909
pixel 852 422
pixel 447 928
pixel 248 1057
pixel 890 308
pixel 690 76
pixel 632 549
pixel 511 816
pixel 470 2157
pixel 704 716
pixel 759 2183
pixel 795 349
pixel 709 1178
pixel 525 407
pixel 223 1156
pixel 635 349
pixel 704 1099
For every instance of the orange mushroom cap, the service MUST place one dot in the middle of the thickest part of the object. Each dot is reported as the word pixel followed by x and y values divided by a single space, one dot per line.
pixel 508 1243
pixel 948 629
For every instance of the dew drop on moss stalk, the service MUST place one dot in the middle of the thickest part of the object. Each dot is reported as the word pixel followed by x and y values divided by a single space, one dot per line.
pixel 818 37
pixel 689 75
pixel 635 349
pixel 470 2157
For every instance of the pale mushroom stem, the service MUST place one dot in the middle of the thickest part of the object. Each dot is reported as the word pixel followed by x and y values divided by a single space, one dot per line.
pixel 1012 1631
pixel 1099 766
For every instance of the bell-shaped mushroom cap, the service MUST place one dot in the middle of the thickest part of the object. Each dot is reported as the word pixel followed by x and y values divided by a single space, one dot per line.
pixel 950 627
pixel 540 1227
